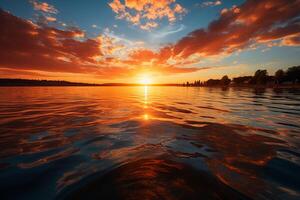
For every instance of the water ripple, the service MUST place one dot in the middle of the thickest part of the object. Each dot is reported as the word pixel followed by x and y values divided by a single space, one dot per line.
pixel 150 142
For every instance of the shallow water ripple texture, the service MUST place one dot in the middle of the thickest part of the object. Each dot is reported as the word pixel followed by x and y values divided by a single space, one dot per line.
pixel 149 143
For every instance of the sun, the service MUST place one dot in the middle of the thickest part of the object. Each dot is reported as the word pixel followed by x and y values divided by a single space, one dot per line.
pixel 145 80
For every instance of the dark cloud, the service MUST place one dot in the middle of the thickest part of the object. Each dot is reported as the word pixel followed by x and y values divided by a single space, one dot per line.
pixel 24 45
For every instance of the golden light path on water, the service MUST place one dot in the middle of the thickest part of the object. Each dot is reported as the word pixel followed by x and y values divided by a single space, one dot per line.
pixel 146 115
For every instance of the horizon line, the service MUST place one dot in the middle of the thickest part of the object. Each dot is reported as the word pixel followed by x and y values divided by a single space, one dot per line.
pixel 22 81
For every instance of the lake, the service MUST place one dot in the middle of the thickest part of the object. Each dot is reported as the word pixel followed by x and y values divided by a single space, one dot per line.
pixel 149 143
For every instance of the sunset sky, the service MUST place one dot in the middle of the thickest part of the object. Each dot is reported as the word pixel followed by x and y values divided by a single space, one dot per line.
pixel 163 41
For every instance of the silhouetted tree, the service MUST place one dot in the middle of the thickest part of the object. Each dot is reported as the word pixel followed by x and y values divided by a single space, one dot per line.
pixel 242 79
pixel 212 82
pixel 260 77
pixel 225 80
pixel 279 76
pixel 293 74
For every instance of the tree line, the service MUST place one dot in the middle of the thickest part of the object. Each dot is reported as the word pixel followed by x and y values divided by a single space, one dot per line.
pixel 260 77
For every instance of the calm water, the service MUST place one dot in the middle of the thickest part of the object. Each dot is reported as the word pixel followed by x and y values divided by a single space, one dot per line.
pixel 149 143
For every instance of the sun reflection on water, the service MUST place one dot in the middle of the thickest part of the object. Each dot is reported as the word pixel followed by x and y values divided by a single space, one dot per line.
pixel 146 116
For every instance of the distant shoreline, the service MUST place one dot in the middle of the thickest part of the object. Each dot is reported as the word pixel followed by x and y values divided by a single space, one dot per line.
pixel 50 83
pixel 281 86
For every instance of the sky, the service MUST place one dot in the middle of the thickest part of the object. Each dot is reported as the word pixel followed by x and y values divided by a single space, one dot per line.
pixel 163 41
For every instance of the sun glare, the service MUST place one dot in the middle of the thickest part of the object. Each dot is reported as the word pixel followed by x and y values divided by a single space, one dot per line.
pixel 145 80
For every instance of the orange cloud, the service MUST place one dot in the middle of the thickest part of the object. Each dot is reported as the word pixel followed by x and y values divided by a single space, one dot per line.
pixel 136 11
pixel 240 27
pixel 251 24
pixel 291 40
pixel 43 6
pixel 51 19
pixel 149 25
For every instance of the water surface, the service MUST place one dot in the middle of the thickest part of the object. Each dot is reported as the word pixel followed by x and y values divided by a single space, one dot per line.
pixel 149 142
